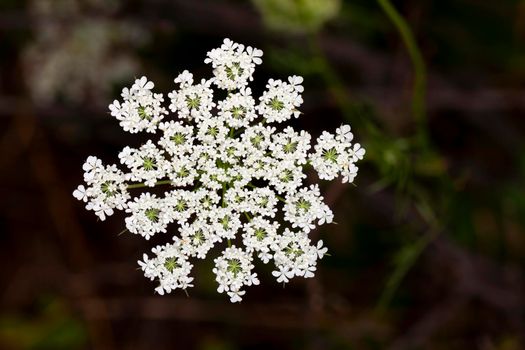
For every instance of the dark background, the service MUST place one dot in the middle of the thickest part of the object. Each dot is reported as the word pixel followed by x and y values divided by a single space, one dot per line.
pixel 429 249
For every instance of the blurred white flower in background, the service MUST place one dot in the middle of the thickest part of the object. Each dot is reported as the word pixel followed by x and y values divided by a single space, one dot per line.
pixel 79 52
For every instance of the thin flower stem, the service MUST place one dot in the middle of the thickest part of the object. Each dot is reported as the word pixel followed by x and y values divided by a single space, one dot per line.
pixel 406 259
pixel 140 185
pixel 336 86
pixel 340 94
pixel 280 198
pixel 224 195
pixel 122 232
pixel 420 76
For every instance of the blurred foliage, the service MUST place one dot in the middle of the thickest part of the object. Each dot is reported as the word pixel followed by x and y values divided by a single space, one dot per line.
pixel 297 16
pixel 51 326
pixel 411 165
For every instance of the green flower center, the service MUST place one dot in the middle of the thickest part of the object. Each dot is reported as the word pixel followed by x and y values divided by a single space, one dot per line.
pixel 108 188
pixel 213 131
pixel 205 156
pixel 178 138
pixel 225 222
pixel 260 233
pixel 171 264
pixel 256 140
pixel 290 147
pixel 149 163
pixel 276 104
pixel 264 201
pixel 291 250
pixel 198 237
pixel 331 155
pixel 238 112
pixel 152 214
pixel 234 266
pixel 234 71
pixel 230 151
pixel 206 201
pixel 303 204
pixel 181 205
pixel 183 172
pixel 193 102
pixel 286 175
pixel 142 113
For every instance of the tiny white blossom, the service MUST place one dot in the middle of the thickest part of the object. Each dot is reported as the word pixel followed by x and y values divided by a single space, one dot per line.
pixel 238 110
pixel 106 188
pixel 149 216
pixel 334 155
pixel 233 270
pixel 281 100
pixel 306 206
pixel 170 266
pixel 192 101
pixel 81 193
pixel 233 65
pixel 147 163
pixel 141 109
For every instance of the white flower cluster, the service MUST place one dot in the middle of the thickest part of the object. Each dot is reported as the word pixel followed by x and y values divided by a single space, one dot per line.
pixel 141 109
pixel 233 179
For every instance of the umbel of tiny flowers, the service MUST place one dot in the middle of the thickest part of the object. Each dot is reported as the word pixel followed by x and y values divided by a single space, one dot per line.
pixel 227 169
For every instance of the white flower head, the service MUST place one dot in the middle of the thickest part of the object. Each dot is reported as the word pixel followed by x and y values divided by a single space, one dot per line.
pixel 192 101
pixel 141 109
pixel 233 64
pixel 233 270
pixel 170 266
pixel 149 215
pixel 281 100
pixel 224 176
pixel 106 188
pixel 334 155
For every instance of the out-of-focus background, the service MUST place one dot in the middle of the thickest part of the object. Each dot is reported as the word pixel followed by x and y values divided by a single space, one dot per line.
pixel 429 249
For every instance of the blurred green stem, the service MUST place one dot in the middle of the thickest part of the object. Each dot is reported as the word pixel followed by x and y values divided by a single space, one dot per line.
pixel 332 81
pixel 404 261
pixel 420 75
pixel 336 86
pixel 409 255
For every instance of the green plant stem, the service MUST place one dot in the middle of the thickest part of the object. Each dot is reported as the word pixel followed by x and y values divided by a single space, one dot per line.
pixel 332 81
pixel 405 260
pixel 223 201
pixel 140 185
pixel 280 198
pixel 420 75
pixel 340 94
